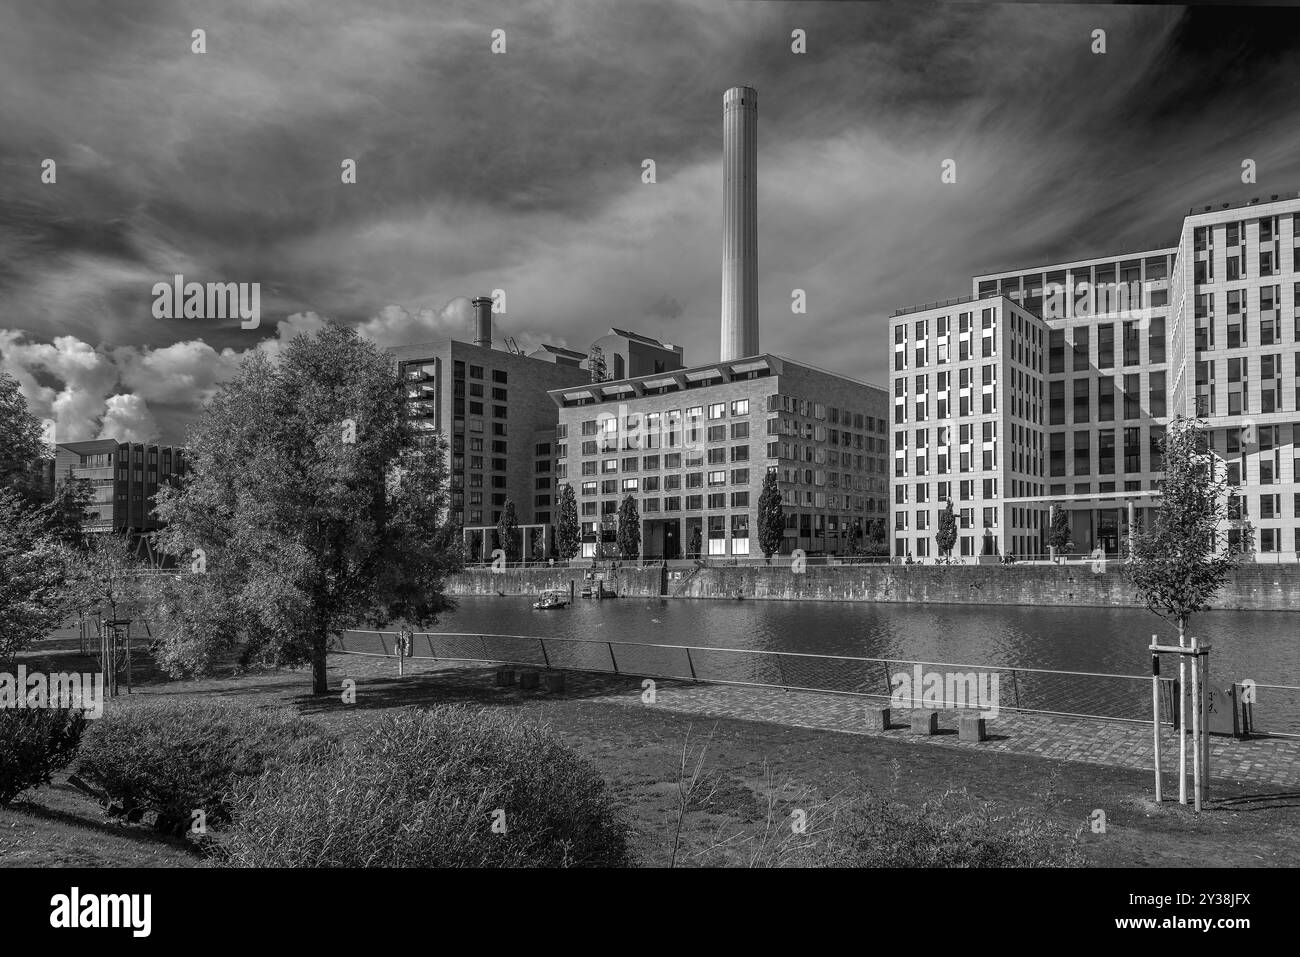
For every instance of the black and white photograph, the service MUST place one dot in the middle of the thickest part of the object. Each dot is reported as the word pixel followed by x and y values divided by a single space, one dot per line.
pixel 648 436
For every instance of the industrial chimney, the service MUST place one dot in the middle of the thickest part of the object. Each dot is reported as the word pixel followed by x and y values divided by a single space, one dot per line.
pixel 739 223
pixel 483 322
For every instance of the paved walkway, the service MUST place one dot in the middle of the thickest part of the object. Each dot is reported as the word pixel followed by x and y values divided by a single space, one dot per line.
pixel 1268 762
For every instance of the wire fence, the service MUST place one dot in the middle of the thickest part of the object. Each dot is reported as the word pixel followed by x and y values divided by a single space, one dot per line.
pixel 1112 697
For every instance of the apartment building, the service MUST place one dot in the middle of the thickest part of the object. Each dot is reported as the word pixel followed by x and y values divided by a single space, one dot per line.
pixel 124 478
pixel 693 445
pixel 491 406
pixel 1208 326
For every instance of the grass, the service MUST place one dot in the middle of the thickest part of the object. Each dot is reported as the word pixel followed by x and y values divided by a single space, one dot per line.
pixel 732 807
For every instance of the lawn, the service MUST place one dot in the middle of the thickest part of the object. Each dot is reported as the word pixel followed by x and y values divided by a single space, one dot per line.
pixel 757 775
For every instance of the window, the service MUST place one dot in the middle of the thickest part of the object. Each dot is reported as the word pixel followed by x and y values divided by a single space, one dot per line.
pixel 717 410
pixel 740 407
pixel 1106 398
pixel 1056 350
pixel 1082 398
pixel 1080 348
pixel 1156 340
pixel 1106 345
pixel 1082 454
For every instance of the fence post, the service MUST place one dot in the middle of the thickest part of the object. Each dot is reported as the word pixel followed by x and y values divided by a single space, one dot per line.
pixel 546 659
pixel 1015 688
pixel 612 659
pixel 690 663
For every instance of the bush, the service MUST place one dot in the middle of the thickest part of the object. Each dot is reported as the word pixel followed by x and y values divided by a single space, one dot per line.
pixel 953 831
pixel 34 743
pixel 170 760
pixel 423 789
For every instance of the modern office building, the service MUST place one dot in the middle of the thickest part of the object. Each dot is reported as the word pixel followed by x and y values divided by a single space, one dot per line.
pixel 1207 326
pixel 692 446
pixel 967 425
pixel 124 477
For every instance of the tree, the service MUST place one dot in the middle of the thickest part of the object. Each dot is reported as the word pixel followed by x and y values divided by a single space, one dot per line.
pixel 945 537
pixel 539 547
pixel 629 529
pixel 693 551
pixel 65 514
pixel 1176 563
pixel 36 588
pixel 568 539
pixel 508 534
pixel 308 509
pixel 22 448
pixel 1058 533
pixel 771 517
pixel 108 577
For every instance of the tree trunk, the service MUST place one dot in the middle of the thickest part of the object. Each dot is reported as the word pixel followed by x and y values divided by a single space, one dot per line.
pixel 319 684
pixel 1182 712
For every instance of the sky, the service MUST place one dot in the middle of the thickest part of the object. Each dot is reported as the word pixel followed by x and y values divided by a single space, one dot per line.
pixel 522 170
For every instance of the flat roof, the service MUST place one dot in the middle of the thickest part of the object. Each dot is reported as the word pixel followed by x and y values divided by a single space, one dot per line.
pixel 615 389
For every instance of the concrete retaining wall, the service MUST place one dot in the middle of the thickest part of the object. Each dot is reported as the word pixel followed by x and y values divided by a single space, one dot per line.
pixel 1254 587
pixel 625 582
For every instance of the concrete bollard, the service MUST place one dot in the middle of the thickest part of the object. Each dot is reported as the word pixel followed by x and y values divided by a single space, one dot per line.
pixel 528 680
pixel 971 727
pixel 505 677
pixel 878 719
pixel 553 682
pixel 925 721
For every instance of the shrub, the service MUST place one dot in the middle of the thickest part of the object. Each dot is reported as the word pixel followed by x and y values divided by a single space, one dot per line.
pixel 424 789
pixel 170 760
pixel 953 831
pixel 34 743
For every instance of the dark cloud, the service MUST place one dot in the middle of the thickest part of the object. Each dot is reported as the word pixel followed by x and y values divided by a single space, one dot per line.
pixel 522 171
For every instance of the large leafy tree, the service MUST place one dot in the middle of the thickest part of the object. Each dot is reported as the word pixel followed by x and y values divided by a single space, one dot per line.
pixel 1179 562
pixel 308 509
pixel 629 529
pixel 36 589
pixel 945 537
pixel 771 517
pixel 508 534
pixel 568 538
pixel 22 448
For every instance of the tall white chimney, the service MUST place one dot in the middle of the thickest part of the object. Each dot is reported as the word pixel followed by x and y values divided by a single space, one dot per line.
pixel 739 223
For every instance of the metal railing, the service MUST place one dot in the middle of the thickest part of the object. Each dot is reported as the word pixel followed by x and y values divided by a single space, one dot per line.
pixel 1079 694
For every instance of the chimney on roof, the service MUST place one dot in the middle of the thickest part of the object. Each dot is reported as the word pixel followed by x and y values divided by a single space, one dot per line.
pixel 483 322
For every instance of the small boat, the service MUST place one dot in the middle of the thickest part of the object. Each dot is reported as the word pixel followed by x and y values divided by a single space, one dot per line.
pixel 552 598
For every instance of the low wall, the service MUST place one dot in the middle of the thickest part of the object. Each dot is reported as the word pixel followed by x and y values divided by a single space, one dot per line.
pixel 628 582
pixel 1257 587
pixel 1253 587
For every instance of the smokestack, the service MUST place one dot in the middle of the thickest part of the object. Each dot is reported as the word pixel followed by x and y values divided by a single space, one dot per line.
pixel 483 322
pixel 739 223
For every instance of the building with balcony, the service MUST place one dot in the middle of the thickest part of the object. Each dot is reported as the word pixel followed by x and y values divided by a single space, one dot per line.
pixel 494 409
pixel 124 478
